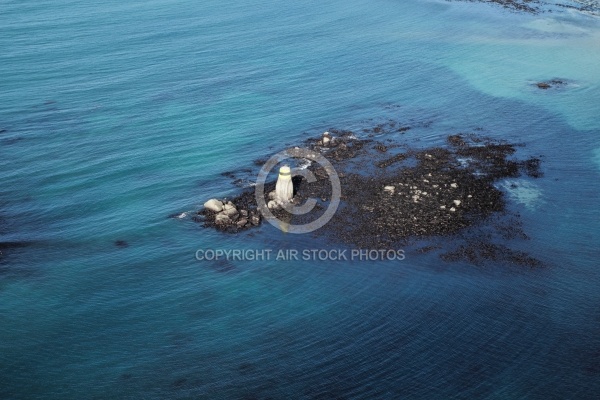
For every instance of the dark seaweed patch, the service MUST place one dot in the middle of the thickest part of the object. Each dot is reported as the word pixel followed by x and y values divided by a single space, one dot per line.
pixel 479 252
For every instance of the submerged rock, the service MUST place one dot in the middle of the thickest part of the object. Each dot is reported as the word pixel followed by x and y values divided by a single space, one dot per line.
pixel 543 85
pixel 551 83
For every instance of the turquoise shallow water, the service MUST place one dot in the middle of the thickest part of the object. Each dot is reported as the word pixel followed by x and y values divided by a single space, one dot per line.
pixel 115 116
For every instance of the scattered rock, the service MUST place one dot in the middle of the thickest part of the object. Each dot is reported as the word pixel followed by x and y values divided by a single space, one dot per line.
pixel 457 140
pixel 381 148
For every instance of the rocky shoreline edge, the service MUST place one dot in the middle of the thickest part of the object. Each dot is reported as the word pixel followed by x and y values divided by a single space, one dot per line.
pixel 539 6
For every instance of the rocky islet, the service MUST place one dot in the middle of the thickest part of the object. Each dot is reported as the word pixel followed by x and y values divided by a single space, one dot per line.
pixel 389 198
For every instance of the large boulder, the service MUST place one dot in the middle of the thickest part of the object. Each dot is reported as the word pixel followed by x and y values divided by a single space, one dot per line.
pixel 214 205
pixel 222 219
pixel 230 210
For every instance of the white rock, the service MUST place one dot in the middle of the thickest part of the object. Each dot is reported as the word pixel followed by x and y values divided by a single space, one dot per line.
pixel 435 186
pixel 230 212
pixel 222 219
pixel 454 185
pixel 469 196
pixel 389 189
pixel 272 205
pixel 453 209
pixel 457 202
pixel 443 207
pixel 214 205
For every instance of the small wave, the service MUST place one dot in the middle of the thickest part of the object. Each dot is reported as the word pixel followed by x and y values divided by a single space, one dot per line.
pixel 179 215
pixel 304 164
pixel 523 192
pixel 464 162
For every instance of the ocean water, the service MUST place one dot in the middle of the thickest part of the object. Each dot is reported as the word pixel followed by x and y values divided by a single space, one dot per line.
pixel 114 116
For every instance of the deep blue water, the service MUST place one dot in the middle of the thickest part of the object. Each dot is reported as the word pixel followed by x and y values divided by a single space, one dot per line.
pixel 114 116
